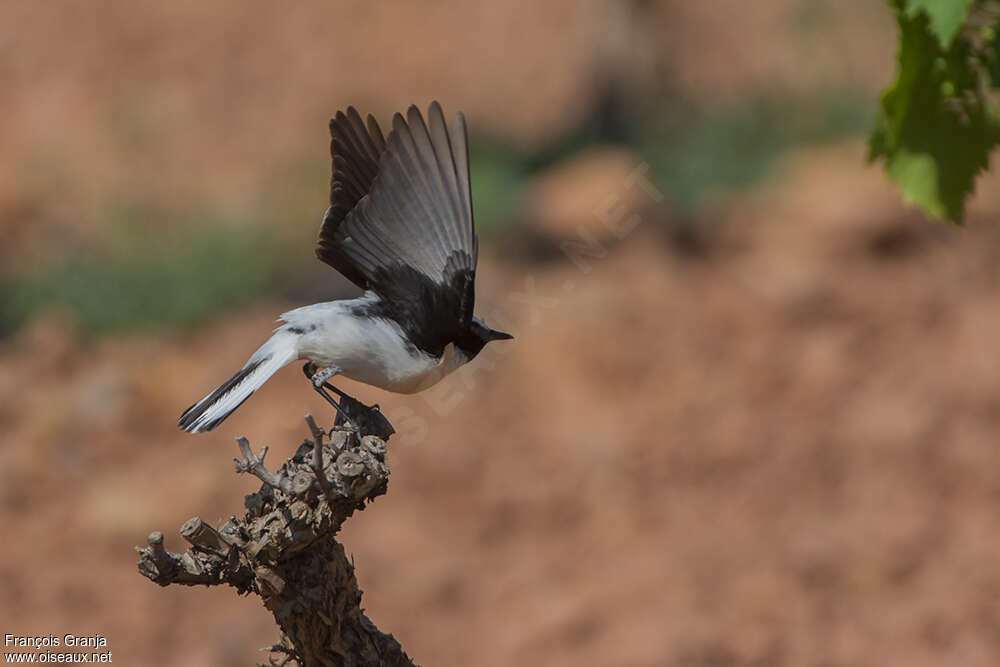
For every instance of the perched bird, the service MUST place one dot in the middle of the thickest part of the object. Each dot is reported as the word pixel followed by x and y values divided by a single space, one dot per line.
pixel 400 227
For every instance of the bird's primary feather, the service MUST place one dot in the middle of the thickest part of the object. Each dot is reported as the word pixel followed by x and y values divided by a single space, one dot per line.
pixel 355 149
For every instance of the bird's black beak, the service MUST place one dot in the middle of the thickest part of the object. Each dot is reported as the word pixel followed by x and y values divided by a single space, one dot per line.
pixel 499 335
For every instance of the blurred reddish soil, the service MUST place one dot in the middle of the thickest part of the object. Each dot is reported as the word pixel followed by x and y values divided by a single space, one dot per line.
pixel 773 444
pixel 777 451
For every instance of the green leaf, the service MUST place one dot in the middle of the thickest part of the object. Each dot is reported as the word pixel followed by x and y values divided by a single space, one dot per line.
pixel 936 125
pixel 946 16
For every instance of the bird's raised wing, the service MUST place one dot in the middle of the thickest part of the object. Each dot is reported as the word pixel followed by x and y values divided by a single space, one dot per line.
pixel 400 220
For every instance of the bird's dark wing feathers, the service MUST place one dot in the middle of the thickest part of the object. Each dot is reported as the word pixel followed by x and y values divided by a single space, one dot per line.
pixel 355 150
pixel 400 220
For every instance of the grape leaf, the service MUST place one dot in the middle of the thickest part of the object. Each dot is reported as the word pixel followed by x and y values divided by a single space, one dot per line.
pixel 945 16
pixel 936 124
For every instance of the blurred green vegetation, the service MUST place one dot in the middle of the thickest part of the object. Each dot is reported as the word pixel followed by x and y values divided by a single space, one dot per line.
pixel 693 152
pixel 499 173
pixel 138 282
pixel 208 263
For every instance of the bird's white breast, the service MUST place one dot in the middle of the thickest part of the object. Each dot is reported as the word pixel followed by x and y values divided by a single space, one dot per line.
pixel 370 350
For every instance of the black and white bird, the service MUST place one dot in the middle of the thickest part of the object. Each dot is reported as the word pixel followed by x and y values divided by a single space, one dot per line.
pixel 400 227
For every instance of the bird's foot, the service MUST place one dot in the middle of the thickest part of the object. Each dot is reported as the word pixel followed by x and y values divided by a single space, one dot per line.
pixel 368 417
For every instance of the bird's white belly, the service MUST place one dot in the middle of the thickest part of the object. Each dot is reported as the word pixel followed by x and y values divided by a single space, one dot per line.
pixel 417 373
pixel 375 352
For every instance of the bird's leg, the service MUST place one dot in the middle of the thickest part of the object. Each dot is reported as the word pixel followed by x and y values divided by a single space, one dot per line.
pixel 346 424
pixel 319 381
pixel 353 415
pixel 329 386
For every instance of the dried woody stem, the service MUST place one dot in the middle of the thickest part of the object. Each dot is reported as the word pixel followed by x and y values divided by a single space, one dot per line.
pixel 283 549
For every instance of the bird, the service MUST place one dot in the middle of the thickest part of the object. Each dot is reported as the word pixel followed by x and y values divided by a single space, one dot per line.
pixel 400 227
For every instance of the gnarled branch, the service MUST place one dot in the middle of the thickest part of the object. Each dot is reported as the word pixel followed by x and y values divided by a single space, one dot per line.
pixel 283 548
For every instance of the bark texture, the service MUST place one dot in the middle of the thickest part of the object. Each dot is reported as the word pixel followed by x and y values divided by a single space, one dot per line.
pixel 284 548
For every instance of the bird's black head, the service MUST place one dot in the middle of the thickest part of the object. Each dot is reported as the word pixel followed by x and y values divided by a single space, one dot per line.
pixel 475 339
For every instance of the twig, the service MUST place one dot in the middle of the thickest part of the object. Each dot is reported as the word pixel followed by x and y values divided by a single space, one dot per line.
pixel 317 462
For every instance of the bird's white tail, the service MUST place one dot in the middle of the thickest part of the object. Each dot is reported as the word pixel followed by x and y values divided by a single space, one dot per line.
pixel 210 411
